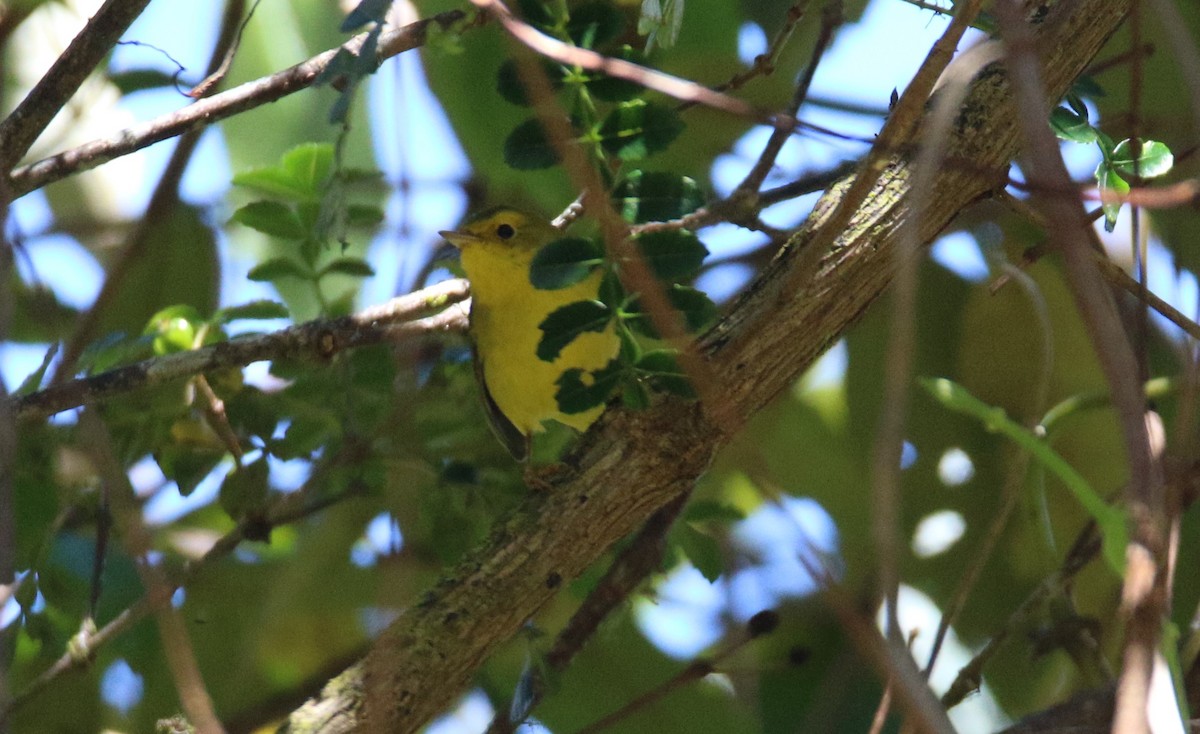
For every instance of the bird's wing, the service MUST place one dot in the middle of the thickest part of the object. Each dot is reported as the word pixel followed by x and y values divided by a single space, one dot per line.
pixel 512 438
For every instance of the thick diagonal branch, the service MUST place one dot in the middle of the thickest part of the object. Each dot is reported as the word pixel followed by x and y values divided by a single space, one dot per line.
pixel 632 464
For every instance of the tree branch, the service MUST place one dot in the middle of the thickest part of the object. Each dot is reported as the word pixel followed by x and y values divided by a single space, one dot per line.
pixel 632 464
pixel 320 339
pixel 21 128
pixel 217 107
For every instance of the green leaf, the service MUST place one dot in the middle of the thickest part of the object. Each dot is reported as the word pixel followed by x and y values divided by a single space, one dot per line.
pixel 564 262
pixel 310 165
pixel 261 309
pixel 276 268
pixel 1068 125
pixel 638 128
pixel 1110 520
pixel 1155 159
pixel 527 148
pixel 631 350
pixel 271 218
pixel 348 266
pixel 634 394
pixel 562 326
pixel 363 215
pixel 31 383
pixel 672 254
pixel 244 491
pixel 701 549
pixel 187 465
pixel 300 175
pixel 111 350
pixel 612 293
pixel 707 510
pixel 305 435
pixel 662 368
pixel 697 308
pixel 1109 180
pixel 137 80
pixel 656 196
pixel 1076 103
pixel 577 394
pixel 512 89
pixel 594 24
pixel 614 89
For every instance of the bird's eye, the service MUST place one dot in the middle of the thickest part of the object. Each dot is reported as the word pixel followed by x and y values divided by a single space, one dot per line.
pixel 505 231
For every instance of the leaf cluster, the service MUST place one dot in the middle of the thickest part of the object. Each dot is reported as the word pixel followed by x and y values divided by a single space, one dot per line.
pixel 305 214
pixel 1121 162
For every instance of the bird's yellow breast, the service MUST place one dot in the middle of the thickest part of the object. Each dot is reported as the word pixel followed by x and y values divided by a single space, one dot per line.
pixel 506 311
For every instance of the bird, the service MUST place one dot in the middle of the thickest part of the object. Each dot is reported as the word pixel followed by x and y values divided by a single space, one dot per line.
pixel 519 389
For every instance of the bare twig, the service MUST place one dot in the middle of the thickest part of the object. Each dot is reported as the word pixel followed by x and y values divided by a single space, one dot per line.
pixel 22 127
pixel 204 112
pixel 1014 476
pixel 672 86
pixel 1082 552
pixel 319 339
pixel 758 625
pixel 638 560
pixel 1110 270
pixel 897 378
pixel 905 115
pixel 764 63
pixel 831 20
pixel 163 201
pixel 1142 597
pixel 286 509
pixel 177 647
pixel 236 25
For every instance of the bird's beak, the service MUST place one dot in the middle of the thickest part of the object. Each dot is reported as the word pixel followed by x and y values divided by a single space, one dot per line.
pixel 459 239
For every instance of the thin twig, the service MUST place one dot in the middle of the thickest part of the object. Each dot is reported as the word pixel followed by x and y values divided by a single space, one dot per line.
pixel 672 86
pixel 760 624
pixel 135 538
pixel 831 20
pixel 205 112
pixel 764 63
pixel 905 115
pixel 233 10
pixel 161 207
pixel 1014 476
pixel 286 509
pixel 1142 594
pixel 901 343
pixel 1085 549
pixel 320 340
pixel 637 560
pixel 22 127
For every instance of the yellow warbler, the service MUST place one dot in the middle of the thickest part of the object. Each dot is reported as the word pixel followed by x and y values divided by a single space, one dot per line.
pixel 506 311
